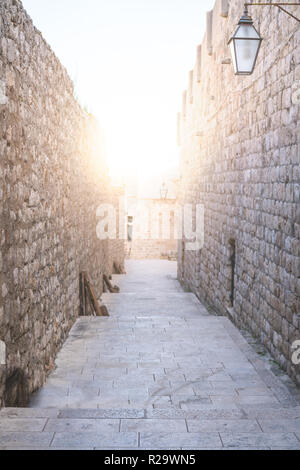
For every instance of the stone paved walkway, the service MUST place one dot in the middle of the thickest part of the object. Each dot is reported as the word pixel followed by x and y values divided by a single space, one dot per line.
pixel 159 373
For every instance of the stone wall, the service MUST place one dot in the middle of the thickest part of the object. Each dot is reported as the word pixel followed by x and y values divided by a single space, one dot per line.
pixel 117 245
pixel 240 155
pixel 53 176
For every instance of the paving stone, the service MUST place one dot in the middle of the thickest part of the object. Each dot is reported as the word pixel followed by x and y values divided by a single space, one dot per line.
pixel 13 424
pixel 28 413
pixel 83 425
pixel 113 403
pixel 220 386
pixel 154 364
pixel 132 384
pixel 99 440
pixel 78 403
pixel 196 414
pixel 132 448
pixel 192 401
pixel 49 401
pixel 31 447
pixel 102 413
pixel 207 407
pixel 207 448
pixel 246 400
pixel 239 440
pixel 102 372
pixel 255 393
pixel 220 425
pixel 163 440
pixel 286 447
pixel 229 395
pixel 161 448
pixel 280 425
pixel 153 425
pixel 270 412
pixel 182 390
pixel 242 448
pixel 84 393
pixel 25 438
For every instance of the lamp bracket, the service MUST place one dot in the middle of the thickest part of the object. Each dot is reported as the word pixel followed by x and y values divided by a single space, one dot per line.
pixel 278 5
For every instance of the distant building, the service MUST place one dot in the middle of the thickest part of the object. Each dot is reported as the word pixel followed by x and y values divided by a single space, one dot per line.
pixel 152 218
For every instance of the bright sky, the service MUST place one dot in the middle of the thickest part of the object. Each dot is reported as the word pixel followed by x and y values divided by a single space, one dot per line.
pixel 129 60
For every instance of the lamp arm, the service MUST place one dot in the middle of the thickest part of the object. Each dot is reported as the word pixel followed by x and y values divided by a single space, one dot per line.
pixel 278 5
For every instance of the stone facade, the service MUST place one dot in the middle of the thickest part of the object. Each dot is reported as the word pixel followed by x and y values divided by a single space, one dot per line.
pixel 53 176
pixel 240 155
pixel 154 228
pixel 152 216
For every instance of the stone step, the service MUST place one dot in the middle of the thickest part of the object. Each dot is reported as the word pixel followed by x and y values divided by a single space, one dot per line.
pixel 133 297
pixel 211 412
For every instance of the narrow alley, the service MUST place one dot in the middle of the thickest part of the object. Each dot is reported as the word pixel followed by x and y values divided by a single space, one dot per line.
pixel 159 373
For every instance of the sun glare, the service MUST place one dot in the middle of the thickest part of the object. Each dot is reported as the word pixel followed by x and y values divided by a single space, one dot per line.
pixel 139 144
pixel 129 63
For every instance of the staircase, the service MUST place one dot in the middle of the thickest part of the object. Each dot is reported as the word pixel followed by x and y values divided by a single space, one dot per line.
pixel 159 373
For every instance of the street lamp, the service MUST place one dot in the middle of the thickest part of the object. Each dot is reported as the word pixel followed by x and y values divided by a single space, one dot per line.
pixel 246 41
pixel 244 46
pixel 163 191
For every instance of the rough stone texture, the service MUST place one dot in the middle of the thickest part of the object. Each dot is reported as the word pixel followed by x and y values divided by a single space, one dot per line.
pixel 53 176
pixel 240 154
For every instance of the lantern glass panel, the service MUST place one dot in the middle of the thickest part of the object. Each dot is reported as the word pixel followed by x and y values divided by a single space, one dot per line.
pixel 246 53
pixel 246 31
pixel 244 46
